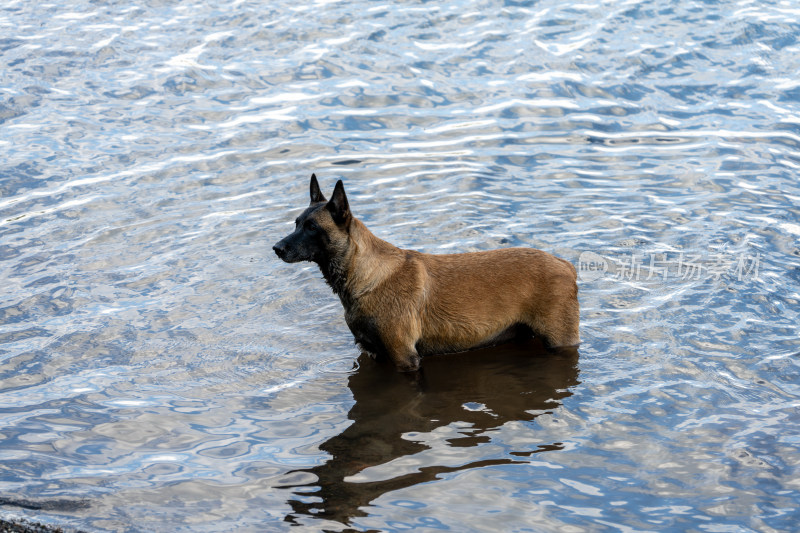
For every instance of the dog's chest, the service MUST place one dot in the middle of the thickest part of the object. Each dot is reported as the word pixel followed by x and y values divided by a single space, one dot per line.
pixel 365 330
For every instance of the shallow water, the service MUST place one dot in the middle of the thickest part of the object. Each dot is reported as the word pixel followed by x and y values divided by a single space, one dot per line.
pixel 161 370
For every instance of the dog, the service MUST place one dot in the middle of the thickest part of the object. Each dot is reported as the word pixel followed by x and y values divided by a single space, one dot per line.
pixel 406 304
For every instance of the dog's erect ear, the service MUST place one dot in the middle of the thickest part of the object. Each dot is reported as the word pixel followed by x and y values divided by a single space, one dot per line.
pixel 316 194
pixel 338 206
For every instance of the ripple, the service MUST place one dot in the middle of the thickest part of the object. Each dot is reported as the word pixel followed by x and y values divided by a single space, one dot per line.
pixel 336 366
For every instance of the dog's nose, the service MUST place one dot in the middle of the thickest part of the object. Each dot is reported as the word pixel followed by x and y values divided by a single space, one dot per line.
pixel 280 252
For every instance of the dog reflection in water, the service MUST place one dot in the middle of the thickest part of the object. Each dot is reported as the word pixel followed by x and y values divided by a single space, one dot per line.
pixel 472 393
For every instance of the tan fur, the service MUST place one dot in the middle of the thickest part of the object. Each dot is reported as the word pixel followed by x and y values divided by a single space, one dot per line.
pixel 407 304
pixel 425 304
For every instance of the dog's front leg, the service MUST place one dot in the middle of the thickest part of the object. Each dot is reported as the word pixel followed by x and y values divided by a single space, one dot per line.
pixel 398 337
pixel 406 360
pixel 402 351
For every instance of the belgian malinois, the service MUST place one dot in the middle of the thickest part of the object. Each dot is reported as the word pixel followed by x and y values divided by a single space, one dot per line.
pixel 405 304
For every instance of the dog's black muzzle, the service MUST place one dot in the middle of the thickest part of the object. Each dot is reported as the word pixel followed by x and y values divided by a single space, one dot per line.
pixel 280 251
pixel 292 249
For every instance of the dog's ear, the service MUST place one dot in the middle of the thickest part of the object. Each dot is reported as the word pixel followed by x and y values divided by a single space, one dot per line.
pixel 338 206
pixel 316 194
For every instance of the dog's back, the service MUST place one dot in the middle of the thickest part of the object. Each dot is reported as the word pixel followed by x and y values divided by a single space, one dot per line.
pixel 474 299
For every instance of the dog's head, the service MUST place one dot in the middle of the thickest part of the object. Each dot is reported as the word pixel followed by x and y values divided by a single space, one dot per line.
pixel 321 231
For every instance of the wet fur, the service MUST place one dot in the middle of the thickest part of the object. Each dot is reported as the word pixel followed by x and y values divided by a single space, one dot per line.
pixel 406 304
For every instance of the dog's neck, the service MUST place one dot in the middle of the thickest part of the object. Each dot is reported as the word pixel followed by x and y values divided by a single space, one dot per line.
pixel 334 270
pixel 362 265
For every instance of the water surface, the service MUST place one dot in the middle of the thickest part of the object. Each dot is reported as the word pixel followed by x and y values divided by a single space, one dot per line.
pixel 161 370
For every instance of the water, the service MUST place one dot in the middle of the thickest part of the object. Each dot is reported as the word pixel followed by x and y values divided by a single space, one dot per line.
pixel 161 370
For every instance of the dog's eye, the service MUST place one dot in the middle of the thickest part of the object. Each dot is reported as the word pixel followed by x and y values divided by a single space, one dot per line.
pixel 310 226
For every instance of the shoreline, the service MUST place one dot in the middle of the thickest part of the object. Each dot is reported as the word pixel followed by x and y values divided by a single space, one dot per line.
pixel 28 526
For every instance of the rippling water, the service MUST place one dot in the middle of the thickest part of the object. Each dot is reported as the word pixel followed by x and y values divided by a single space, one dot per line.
pixel 161 370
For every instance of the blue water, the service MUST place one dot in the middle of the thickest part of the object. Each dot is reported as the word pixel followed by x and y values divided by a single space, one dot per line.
pixel 162 370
